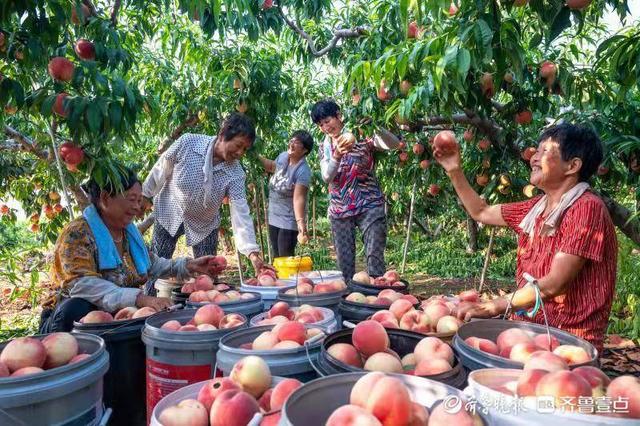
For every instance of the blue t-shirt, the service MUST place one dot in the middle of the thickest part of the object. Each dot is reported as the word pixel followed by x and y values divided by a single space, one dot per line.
pixel 281 186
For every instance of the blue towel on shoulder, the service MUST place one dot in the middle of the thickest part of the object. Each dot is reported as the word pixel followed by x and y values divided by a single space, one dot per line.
pixel 108 256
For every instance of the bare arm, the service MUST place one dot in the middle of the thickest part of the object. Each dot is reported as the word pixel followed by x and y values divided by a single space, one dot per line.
pixel 299 204
pixel 269 165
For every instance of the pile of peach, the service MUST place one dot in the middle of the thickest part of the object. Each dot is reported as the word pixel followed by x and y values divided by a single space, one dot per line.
pixel 369 349
pixel 234 400
pixel 202 283
pixel 281 312
pixel 26 355
pixel 389 279
pixel 546 374
pixel 433 318
pixel 266 278
pixel 380 400
pixel 306 287
pixel 519 345
pixel 285 335
pixel 215 296
pixel 385 298
pixel 206 318
pixel 128 313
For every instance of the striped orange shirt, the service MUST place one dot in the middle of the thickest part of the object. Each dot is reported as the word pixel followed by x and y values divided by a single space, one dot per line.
pixel 585 230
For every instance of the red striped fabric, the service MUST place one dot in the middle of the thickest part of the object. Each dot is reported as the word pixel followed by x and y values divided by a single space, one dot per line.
pixel 586 230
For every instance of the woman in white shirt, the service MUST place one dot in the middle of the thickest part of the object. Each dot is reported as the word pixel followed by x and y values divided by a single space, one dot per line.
pixel 189 182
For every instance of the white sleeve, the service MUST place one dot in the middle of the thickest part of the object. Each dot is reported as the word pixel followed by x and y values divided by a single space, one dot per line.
pixel 329 169
pixel 165 268
pixel 104 294
pixel 385 140
pixel 242 224
pixel 162 170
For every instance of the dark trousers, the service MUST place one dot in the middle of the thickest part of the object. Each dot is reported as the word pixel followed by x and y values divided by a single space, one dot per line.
pixel 163 244
pixel 283 241
pixel 61 317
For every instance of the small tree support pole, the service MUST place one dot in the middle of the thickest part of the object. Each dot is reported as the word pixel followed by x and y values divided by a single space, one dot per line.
pixel 487 257
pixel 313 219
pixel 257 214
pixel 266 222
pixel 406 241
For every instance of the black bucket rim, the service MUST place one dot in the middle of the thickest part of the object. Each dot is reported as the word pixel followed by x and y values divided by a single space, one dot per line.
pixel 365 305
pixel 337 293
pixel 455 369
pixel 177 293
pixel 105 326
pixel 459 340
pixel 230 303
pixel 405 289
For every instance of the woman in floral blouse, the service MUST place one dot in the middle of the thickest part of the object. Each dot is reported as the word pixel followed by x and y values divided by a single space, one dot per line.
pixel 100 260
pixel 356 200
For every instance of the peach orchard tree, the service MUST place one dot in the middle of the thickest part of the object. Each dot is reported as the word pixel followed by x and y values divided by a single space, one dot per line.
pixel 84 83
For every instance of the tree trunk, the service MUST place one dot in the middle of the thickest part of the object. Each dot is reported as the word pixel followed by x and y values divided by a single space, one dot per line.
pixel 225 240
pixel 472 232
pixel 623 218
pixel 409 222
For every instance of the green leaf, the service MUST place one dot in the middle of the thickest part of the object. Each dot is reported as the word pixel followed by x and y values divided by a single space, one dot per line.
pixel 561 22
pixel 464 62
pixel 94 117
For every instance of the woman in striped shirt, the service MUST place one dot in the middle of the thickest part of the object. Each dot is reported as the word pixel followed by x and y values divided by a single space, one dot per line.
pixel 566 239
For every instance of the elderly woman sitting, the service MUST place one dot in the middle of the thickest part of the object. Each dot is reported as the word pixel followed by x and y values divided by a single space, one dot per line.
pixel 100 259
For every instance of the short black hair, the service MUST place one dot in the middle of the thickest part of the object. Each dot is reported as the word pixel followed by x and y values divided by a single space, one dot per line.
pixel 305 138
pixel 323 109
pixel 238 124
pixel 126 179
pixel 577 141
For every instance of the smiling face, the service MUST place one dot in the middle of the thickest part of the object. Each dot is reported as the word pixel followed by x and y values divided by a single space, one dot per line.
pixel 234 148
pixel 296 149
pixel 549 170
pixel 331 126
pixel 120 209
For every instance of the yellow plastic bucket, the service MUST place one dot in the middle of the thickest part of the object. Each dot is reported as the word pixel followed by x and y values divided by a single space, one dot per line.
pixel 287 266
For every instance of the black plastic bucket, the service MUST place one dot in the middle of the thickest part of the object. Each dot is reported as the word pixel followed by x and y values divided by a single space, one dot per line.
pixel 355 312
pixel 373 290
pixel 323 300
pixel 246 307
pixel 474 359
pixel 124 383
pixel 312 403
pixel 403 342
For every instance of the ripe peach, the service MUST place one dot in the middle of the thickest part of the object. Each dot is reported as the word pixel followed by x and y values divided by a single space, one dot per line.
pixel 265 341
pixel 419 415
pixel 469 296
pixel 233 408
pixel 280 309
pixel 85 50
pixel 390 294
pixel 203 282
pixel 449 416
pixel 521 352
pixel 188 327
pixel 409 360
pixel 61 69
pixel 627 387
pixel 510 337
pixel 387 399
pixel 282 391
pixel 125 313
pixel 4 370
pixel 206 327
pixel 528 381
pixel 95 317
pixel 23 352
pixel 324 288
pixel 356 297
pixel 172 325
pixel 266 280
pixel 596 379
pixel 545 360
pixel 386 318
pixel 201 296
pixel 486 83
pixel 252 374
pixel 24 371
pixel 572 354
pixel 79 358
pixel 448 324
pixel 187 288
pixel 286 344
pixel 370 337
pixel 411 298
pixel 231 320
pixel 293 331
pixel 212 388
pixel 346 353
pixel 143 312
pixel 392 275
pixel 352 415
pixel 208 314
pixel 234 295
pixel 265 401
pixel 542 340
pixel 432 347
pixel 416 321
pixel 435 311
pixel 271 419
pixel 563 384
pixel 382 301
pixel 361 277
pixel 221 298
pixel 60 348
pixel 432 366
pixel 484 345
pixel 400 307
pixel 383 362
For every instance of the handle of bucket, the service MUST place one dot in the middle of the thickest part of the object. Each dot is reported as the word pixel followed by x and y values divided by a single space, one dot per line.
pixel 348 324
pixel 105 417
pixel 306 348
pixel 256 419
pixel 175 307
